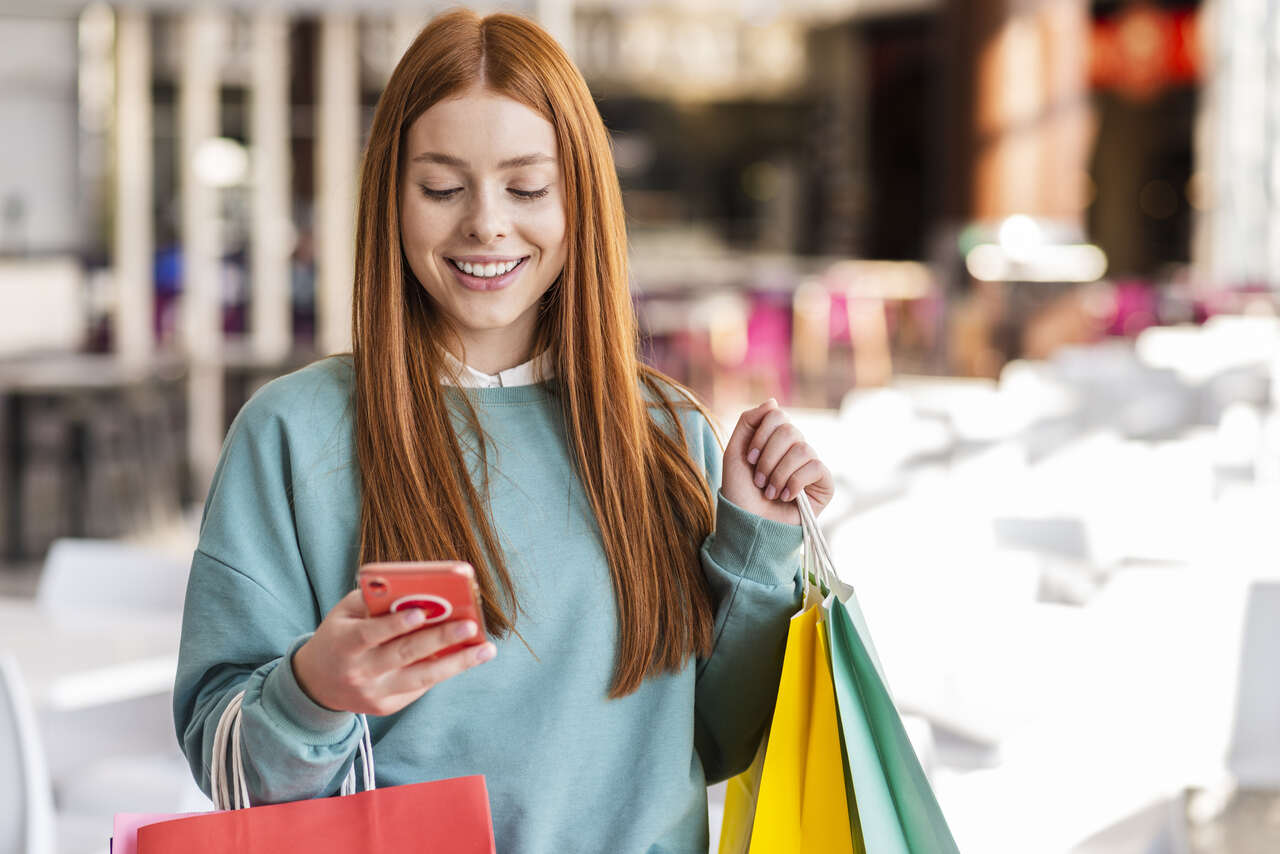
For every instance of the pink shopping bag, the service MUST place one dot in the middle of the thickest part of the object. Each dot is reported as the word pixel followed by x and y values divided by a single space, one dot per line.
pixel 124 833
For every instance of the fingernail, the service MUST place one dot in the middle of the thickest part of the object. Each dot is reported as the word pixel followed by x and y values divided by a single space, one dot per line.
pixel 485 652
pixel 770 493
pixel 464 630
pixel 415 617
pixel 753 455
pixel 759 480
pixel 786 495
pixel 773 400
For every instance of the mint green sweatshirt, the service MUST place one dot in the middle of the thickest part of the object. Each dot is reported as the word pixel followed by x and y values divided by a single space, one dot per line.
pixel 568 770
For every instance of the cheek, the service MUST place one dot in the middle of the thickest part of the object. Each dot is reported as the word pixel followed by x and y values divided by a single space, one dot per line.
pixel 421 230
pixel 547 230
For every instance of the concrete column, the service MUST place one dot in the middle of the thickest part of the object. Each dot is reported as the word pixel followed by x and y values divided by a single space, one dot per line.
pixel 1018 107
pixel 133 239
pixel 203 39
pixel 1237 238
pixel 337 159
pixel 1272 90
pixel 1064 31
pixel 39 197
pixel 271 238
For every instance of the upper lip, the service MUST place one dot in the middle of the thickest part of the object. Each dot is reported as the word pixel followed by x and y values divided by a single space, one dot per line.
pixel 486 259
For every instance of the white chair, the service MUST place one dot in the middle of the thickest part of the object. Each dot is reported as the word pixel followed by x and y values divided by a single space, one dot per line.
pixel 26 818
pixel 110 575
pixel 123 756
pixel 119 757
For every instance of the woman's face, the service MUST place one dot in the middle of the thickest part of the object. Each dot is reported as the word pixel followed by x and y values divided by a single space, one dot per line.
pixel 482 219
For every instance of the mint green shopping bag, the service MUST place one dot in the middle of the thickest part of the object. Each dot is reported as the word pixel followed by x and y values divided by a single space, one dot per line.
pixel 890 799
pixel 895 803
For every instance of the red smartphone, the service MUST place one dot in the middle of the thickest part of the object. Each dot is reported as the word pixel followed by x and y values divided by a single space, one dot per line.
pixel 445 590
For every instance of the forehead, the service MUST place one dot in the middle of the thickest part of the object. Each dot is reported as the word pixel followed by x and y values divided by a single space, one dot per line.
pixel 481 127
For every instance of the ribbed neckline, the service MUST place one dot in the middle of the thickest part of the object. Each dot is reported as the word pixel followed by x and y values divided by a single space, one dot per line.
pixel 532 393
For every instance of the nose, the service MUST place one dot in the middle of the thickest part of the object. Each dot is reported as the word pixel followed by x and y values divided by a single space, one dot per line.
pixel 486 219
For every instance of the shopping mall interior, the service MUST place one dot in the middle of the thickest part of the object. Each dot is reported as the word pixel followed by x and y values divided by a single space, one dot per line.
pixel 1011 266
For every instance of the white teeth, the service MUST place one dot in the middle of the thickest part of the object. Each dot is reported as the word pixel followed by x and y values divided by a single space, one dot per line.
pixel 486 271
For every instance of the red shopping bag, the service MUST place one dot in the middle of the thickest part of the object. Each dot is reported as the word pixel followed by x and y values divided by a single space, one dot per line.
pixel 444 815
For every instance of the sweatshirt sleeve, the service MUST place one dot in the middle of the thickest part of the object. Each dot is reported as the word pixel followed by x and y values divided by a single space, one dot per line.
pixel 753 566
pixel 249 606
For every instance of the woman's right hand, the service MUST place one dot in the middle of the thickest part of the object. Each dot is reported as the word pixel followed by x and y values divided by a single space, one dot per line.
pixel 374 665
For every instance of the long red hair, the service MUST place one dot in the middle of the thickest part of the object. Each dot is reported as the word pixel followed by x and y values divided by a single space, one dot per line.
pixel 650 499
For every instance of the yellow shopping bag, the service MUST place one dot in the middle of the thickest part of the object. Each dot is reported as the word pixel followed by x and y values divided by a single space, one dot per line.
pixel 836 770
pixel 797 783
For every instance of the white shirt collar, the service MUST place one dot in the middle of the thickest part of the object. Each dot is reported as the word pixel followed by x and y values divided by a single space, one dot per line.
pixel 526 373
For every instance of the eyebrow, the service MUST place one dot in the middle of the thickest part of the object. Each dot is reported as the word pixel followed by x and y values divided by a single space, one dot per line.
pixel 509 163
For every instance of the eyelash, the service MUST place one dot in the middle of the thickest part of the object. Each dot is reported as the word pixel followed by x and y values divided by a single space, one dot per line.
pixel 523 195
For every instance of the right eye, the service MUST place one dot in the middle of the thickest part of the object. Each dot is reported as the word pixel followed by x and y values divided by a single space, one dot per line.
pixel 439 194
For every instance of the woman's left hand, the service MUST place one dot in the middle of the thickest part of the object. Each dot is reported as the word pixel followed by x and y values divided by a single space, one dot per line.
pixel 766 464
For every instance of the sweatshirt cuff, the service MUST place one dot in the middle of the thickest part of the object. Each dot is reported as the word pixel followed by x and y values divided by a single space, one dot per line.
pixel 754 547
pixel 285 701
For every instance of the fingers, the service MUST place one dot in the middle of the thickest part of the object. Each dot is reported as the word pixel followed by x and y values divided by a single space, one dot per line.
pixel 783 463
pixel 748 424
pixel 409 649
pixel 811 473
pixel 425 675
pixel 376 631
pixel 781 458
pixel 770 423
pixel 775 436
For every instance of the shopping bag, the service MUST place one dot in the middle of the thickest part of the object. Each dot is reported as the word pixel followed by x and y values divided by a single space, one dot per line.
pixel 740 807
pixel 897 809
pixel 446 815
pixel 888 806
pixel 801 805
pixel 124 831
pixel 897 812
pixel 449 815
pixel 793 797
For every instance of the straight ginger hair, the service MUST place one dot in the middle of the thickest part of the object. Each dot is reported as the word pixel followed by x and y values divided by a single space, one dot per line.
pixel 649 497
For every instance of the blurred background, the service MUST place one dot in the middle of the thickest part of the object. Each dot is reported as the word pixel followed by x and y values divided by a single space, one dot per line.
pixel 1013 266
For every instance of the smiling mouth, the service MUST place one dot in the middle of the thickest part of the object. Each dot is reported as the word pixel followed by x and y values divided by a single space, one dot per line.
pixel 492 270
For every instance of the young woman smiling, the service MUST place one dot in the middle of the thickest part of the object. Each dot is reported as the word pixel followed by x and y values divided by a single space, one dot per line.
pixel 637 579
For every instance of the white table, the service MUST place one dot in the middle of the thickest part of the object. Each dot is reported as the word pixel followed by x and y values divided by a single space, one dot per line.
pixel 75 660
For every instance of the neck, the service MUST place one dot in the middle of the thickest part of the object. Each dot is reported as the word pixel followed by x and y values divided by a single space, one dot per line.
pixel 497 354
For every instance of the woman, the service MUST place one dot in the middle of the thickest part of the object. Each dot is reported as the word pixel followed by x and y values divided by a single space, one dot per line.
pixel 493 410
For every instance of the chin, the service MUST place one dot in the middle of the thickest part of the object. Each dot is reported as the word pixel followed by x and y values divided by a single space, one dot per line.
pixel 492 322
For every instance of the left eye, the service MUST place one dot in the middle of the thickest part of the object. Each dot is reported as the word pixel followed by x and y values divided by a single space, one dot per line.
pixel 529 194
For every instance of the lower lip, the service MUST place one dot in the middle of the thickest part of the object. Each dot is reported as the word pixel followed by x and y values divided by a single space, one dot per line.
pixel 492 283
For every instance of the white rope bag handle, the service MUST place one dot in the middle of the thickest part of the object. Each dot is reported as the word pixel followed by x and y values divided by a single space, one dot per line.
pixel 235 794
pixel 817 554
